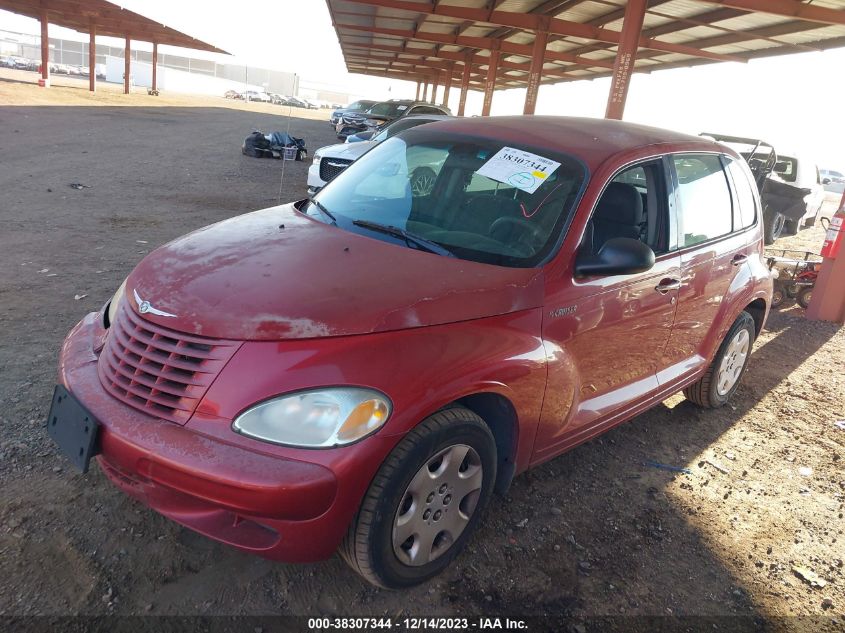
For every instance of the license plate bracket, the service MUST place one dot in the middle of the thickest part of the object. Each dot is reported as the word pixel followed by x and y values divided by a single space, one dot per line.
pixel 73 428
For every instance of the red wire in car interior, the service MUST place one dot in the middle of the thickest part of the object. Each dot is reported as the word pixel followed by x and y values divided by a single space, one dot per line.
pixel 542 202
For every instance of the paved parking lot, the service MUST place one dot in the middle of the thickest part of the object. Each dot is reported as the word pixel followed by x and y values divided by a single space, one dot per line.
pixel 595 532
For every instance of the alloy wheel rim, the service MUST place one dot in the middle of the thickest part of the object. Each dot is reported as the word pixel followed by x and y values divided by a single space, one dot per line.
pixel 733 362
pixel 437 505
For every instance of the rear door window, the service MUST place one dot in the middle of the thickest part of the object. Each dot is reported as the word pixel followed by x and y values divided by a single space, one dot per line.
pixel 745 210
pixel 704 198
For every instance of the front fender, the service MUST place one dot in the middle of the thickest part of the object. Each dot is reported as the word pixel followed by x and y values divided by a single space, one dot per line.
pixel 420 370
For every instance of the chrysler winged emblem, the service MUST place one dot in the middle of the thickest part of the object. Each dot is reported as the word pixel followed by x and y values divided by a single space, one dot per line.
pixel 145 307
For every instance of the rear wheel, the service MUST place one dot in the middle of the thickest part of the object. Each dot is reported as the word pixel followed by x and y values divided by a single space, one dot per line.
pixel 721 379
pixel 805 296
pixel 424 502
pixel 778 296
pixel 773 223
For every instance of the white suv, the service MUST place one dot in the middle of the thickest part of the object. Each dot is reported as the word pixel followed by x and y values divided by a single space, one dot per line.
pixel 329 161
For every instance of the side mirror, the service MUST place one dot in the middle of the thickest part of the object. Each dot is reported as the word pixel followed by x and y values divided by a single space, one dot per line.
pixel 618 256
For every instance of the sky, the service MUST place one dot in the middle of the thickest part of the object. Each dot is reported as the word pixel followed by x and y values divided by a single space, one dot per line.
pixel 795 102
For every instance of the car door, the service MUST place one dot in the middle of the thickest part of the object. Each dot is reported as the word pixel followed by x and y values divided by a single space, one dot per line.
pixel 604 335
pixel 714 251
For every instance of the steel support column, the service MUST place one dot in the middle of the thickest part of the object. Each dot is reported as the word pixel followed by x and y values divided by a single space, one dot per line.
pixel 626 55
pixel 448 85
pixel 92 58
pixel 541 38
pixel 419 86
pixel 126 68
pixel 155 66
pixel 425 92
pixel 465 85
pixel 45 51
pixel 490 84
pixel 434 89
pixel 828 301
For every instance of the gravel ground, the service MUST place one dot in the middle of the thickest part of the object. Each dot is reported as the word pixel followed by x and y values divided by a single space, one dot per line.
pixel 594 532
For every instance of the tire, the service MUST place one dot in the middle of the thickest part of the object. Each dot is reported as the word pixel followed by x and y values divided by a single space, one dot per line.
pixel 791 227
pixel 772 226
pixel 371 545
pixel 709 391
pixel 778 297
pixel 805 296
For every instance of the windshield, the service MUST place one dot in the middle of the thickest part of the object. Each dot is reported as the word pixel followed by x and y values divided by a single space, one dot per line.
pixel 405 123
pixel 475 198
pixel 388 109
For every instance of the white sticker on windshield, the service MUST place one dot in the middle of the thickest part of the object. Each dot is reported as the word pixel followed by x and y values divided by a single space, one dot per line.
pixel 514 167
pixel 401 108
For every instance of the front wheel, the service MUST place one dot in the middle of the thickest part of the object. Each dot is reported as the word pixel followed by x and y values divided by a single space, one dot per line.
pixel 424 502
pixel 721 379
pixel 773 223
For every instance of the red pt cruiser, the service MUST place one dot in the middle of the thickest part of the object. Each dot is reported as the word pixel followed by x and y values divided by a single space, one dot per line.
pixel 363 370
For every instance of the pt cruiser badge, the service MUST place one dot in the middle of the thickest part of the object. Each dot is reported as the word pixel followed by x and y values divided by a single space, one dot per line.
pixel 145 307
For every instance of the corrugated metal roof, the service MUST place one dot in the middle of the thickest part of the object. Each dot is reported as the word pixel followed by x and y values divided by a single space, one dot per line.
pixel 108 19
pixel 440 34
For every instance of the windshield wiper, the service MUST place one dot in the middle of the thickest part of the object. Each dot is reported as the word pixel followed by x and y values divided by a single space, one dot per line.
pixel 324 210
pixel 410 238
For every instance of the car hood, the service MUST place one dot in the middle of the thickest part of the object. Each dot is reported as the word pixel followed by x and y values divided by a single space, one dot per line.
pixel 278 274
pixel 348 151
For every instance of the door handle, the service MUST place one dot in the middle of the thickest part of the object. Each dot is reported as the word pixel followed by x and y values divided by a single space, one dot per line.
pixel 668 284
pixel 739 260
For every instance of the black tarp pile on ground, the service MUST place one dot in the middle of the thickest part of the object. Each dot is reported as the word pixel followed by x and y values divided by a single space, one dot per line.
pixel 272 145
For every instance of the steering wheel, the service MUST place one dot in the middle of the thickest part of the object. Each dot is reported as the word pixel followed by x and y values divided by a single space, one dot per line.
pixel 530 234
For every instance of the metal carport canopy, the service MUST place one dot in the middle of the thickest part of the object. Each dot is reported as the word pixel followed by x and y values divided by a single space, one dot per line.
pixel 98 17
pixel 490 44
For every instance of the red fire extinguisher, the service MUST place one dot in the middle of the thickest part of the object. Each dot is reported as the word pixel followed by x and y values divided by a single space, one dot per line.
pixel 835 234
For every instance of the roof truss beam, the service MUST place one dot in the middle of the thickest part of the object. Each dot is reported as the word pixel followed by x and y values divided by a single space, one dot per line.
pixel 535 22
pixel 787 8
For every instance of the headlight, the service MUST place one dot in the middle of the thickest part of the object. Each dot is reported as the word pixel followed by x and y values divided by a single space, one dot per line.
pixel 317 159
pixel 114 303
pixel 318 418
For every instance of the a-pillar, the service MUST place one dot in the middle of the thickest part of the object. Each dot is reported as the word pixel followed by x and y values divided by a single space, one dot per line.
pixel 828 300
pixel 490 83
pixel 126 68
pixel 155 67
pixel 462 103
pixel 535 74
pixel 45 51
pixel 626 55
pixel 92 58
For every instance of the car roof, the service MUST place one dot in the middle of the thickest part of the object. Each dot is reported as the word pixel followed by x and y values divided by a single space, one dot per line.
pixel 591 140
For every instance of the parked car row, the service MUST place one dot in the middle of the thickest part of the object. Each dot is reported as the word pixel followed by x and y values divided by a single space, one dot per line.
pixel 19 63
pixel 368 117
pixel 271 97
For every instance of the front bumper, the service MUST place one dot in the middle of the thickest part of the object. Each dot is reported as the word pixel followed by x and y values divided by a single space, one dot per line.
pixel 280 507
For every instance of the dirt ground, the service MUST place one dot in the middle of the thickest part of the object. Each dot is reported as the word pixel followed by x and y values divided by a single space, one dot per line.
pixel 595 532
